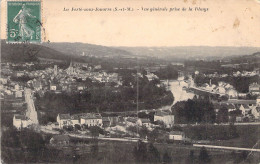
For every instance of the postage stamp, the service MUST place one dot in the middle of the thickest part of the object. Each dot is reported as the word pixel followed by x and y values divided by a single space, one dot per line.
pixel 24 21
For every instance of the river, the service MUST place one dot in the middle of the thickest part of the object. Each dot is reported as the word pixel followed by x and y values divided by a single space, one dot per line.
pixel 175 86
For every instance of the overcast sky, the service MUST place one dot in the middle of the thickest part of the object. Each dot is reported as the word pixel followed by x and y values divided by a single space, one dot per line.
pixel 226 23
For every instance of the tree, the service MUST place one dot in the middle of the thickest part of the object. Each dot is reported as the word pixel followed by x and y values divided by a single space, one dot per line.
pixel 77 127
pixel 143 132
pixel 140 152
pixel 232 131
pixel 94 130
pixel 153 135
pixel 153 154
pixel 10 138
pixel 204 156
pixel 166 158
pixel 222 116
pixel 191 158
pixel 132 129
pixel 94 149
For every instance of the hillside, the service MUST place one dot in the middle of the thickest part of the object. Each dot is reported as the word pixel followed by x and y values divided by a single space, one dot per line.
pixel 79 49
pixel 192 52
pixel 253 58
pixel 31 52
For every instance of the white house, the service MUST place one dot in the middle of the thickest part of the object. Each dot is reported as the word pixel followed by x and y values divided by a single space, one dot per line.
pixel 232 93
pixel 245 109
pixel 256 112
pixel 64 120
pixel 75 119
pixel 165 116
pixel 91 119
pixel 145 122
pixel 254 89
pixel 177 136
pixel 20 121
pixel 221 90
pixel 18 94
pixel 53 87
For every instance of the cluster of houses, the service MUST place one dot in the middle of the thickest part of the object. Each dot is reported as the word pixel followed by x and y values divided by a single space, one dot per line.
pixel 226 89
pixel 246 73
pixel 95 119
pixel 54 79
pixel 222 88
pixel 236 74
pixel 239 110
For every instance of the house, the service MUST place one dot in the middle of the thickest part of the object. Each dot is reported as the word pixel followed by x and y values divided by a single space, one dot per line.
pixel 145 122
pixel 231 107
pixel 51 126
pixel 165 116
pixel 177 136
pixel 18 94
pixel 106 121
pixel 60 140
pixel 151 76
pixel 3 80
pixel 53 87
pixel 64 120
pixel 221 90
pixel 133 121
pixel 19 73
pixel 17 87
pixel 254 89
pixel 80 87
pixel 245 109
pixel 91 119
pixel 75 119
pixel 242 102
pixel 37 85
pixel 256 112
pixel 232 93
pixel 20 121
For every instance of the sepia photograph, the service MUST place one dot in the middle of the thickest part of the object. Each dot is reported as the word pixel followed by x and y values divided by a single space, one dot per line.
pixel 130 81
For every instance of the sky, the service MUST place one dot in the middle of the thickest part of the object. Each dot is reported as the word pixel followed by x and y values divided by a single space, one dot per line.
pixel 226 23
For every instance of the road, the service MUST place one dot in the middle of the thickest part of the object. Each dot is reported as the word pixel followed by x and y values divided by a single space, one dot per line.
pixel 108 139
pixel 31 111
pixel 227 148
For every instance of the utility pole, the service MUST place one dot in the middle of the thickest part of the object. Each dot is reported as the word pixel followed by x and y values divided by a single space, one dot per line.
pixel 137 91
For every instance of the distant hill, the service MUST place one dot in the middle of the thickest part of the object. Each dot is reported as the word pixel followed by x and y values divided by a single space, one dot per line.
pixel 30 52
pixel 79 49
pixel 253 58
pixel 192 53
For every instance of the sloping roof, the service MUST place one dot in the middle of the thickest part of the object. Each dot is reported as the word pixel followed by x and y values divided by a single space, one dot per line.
pixel 64 116
pixel 162 113
pixel 145 120
pixel 75 117
pixel 20 117
pixel 132 119
pixel 245 106
pixel 254 85
pixel 91 116
pixel 105 119
pixel 242 101
pixel 61 138
pixel 230 106
pixel 176 133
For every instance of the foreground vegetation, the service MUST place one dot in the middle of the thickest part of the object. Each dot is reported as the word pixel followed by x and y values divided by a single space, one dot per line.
pixel 28 146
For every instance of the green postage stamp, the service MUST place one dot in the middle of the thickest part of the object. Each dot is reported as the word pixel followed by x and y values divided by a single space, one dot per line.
pixel 24 21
